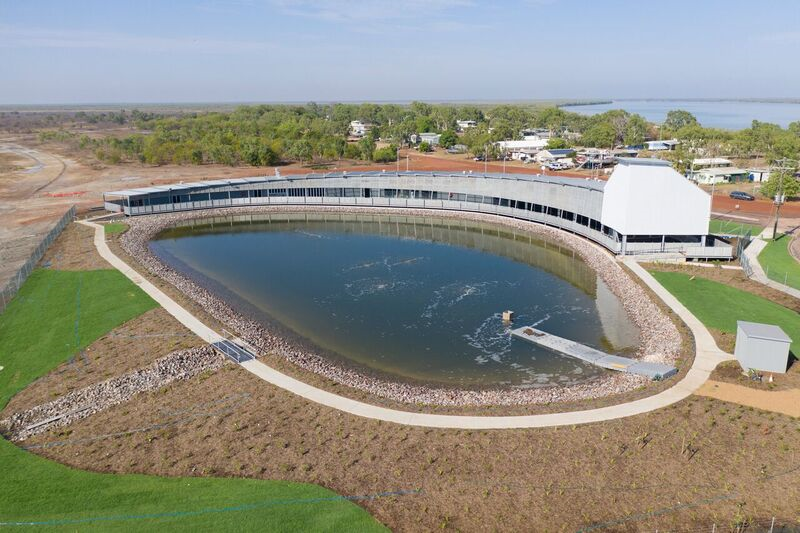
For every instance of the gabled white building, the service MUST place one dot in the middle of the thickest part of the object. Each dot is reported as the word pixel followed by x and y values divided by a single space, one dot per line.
pixel 358 128
pixel 650 203
pixel 465 124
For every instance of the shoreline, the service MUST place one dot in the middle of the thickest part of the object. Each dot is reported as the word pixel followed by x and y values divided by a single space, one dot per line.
pixel 659 340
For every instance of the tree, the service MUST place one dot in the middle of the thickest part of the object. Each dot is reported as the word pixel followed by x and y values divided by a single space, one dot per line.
pixel 600 136
pixel 556 143
pixel 386 154
pixel 352 151
pixel 301 151
pixel 448 138
pixel 425 147
pixel 635 130
pixel 776 182
pixel 367 146
pixel 678 118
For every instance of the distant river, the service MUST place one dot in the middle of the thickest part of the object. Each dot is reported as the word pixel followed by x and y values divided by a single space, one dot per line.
pixel 728 115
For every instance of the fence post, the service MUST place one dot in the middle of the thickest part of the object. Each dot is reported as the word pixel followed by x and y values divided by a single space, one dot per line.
pixel 772 525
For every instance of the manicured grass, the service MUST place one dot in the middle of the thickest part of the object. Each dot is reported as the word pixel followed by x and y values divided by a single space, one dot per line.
pixel 719 306
pixel 55 315
pixel 779 264
pixel 728 227
pixel 114 227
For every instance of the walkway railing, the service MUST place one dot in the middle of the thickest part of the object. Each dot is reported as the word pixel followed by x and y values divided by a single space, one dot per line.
pixel 12 287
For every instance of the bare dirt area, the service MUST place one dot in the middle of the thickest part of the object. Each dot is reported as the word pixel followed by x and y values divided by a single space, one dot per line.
pixel 731 372
pixel 701 461
pixel 74 250
pixel 785 401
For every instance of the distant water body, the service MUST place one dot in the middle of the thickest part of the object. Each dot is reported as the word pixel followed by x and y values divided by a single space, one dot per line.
pixel 729 115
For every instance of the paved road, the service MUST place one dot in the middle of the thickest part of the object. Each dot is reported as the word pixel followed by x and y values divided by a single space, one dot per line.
pixel 707 357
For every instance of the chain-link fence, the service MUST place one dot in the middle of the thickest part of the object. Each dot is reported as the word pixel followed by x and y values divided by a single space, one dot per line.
pixel 12 287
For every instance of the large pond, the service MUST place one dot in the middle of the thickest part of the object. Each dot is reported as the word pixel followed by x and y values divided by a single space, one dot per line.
pixel 415 299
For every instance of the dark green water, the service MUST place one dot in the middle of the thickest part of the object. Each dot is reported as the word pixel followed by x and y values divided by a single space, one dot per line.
pixel 408 298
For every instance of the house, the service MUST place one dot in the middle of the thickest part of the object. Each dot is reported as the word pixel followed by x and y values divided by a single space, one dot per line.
pixel 458 149
pixel 358 128
pixel 758 175
pixel 531 134
pixel 595 158
pixel 628 151
pixel 657 146
pixel 554 154
pixel 430 138
pixel 529 147
pixel 709 176
pixel 711 162
pixel 465 124
pixel 704 163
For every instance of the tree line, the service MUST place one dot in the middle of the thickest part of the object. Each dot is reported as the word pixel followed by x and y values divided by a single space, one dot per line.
pixel 266 135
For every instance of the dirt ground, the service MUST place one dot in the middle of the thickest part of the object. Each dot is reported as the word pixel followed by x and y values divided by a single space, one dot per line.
pixel 700 462
pixel 786 401
pixel 731 372
pixel 74 250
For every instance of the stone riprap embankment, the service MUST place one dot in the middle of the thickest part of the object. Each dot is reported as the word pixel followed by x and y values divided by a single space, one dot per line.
pixel 660 339
pixel 71 407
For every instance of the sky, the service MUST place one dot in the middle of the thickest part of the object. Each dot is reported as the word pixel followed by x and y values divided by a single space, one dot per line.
pixel 148 51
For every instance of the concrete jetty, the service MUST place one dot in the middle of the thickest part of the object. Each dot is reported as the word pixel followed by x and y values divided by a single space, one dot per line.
pixel 595 357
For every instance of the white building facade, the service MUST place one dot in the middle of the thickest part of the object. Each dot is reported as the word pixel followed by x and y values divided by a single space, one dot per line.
pixel 645 207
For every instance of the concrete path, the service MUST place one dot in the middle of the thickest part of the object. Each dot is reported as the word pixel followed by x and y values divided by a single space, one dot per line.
pixel 706 359
pixel 752 252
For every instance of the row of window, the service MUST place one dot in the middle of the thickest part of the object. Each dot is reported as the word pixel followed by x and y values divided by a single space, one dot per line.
pixel 345 192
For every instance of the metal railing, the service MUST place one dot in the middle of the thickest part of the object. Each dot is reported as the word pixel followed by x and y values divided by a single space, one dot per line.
pixel 12 287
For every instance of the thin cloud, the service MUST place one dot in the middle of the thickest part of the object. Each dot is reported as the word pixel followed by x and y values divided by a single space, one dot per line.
pixel 43 38
pixel 366 10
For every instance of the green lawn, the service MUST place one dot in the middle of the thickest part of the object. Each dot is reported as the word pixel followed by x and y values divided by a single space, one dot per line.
pixel 718 226
pixel 719 306
pixel 115 227
pixel 56 314
pixel 779 264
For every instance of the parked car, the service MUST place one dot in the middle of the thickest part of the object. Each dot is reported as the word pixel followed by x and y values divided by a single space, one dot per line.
pixel 479 158
pixel 741 195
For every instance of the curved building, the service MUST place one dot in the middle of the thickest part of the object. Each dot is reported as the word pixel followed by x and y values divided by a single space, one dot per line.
pixel 644 207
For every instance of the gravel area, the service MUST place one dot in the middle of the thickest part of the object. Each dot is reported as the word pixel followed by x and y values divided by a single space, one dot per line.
pixel 81 403
pixel 660 339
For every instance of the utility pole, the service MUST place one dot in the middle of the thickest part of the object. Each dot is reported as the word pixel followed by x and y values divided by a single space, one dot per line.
pixel 486 159
pixel 781 166
pixel 398 160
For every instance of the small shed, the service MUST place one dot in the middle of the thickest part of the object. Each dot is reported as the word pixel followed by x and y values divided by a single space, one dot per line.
pixel 762 347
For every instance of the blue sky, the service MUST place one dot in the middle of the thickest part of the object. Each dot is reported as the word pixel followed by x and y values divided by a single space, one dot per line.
pixel 86 51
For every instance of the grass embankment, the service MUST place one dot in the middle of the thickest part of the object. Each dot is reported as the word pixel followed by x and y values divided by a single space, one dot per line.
pixel 779 264
pixel 719 306
pixel 54 316
pixel 718 226
pixel 115 227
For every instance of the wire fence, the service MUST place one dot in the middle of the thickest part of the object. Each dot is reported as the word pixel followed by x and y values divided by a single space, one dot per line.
pixel 12 287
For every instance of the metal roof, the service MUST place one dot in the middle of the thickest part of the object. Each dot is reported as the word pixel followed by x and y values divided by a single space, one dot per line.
pixel 642 162
pixel 720 171
pixel 754 330
pixel 587 183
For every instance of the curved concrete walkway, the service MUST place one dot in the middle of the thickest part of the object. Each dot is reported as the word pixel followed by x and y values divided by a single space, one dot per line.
pixel 706 359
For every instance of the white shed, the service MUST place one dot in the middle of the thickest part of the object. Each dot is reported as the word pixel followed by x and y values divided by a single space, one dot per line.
pixel 762 347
